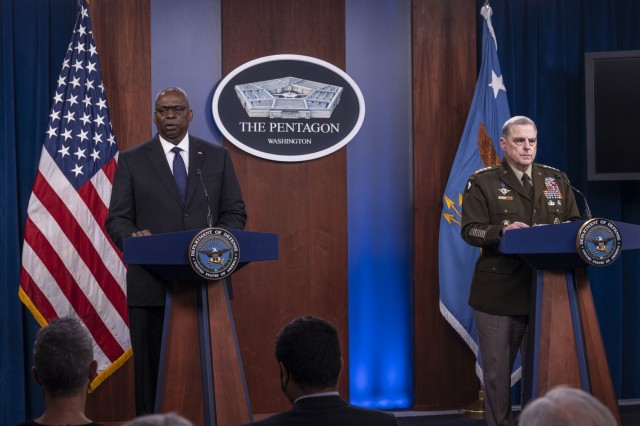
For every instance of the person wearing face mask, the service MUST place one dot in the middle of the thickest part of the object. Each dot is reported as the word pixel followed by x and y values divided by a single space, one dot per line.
pixel 517 193
pixel 309 357
pixel 158 188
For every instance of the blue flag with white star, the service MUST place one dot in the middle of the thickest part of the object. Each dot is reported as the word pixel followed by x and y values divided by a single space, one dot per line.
pixel 479 147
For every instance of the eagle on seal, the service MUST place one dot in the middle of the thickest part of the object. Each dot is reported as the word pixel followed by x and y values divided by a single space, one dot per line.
pixel 214 254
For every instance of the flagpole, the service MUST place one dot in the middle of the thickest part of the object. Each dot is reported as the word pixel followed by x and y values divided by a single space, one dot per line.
pixel 475 410
pixel 478 148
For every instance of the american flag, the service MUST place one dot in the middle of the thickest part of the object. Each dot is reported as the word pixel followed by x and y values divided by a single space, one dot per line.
pixel 70 267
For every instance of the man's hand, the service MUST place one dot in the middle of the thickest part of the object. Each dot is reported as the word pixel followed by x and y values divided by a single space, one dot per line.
pixel 142 233
pixel 514 225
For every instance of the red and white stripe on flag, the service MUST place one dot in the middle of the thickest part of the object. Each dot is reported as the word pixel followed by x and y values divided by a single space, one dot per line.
pixel 70 267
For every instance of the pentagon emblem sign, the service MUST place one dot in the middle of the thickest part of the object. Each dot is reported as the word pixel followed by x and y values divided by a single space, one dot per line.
pixel 599 242
pixel 288 108
pixel 214 253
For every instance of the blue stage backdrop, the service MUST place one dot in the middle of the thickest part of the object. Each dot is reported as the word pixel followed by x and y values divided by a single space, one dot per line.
pixel 172 62
pixel 380 206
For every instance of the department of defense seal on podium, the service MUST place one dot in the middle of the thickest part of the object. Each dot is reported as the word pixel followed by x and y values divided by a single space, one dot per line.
pixel 214 253
pixel 599 242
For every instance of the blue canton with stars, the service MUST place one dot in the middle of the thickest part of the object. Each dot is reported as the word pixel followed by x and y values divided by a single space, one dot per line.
pixel 80 138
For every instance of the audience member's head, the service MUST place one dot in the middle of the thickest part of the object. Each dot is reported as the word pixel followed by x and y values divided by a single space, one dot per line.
pixel 565 406
pixel 167 419
pixel 64 367
pixel 308 351
pixel 63 358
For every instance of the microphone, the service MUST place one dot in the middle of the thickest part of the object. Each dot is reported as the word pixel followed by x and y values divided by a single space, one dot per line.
pixel 587 211
pixel 204 188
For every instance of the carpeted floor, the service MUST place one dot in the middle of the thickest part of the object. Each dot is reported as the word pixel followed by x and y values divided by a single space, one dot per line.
pixel 629 414
pixel 436 420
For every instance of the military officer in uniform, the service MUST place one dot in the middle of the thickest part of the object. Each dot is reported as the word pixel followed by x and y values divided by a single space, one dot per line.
pixel 517 193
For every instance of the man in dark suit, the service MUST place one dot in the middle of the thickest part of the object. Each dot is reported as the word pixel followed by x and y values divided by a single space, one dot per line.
pixel 308 353
pixel 158 187
pixel 516 193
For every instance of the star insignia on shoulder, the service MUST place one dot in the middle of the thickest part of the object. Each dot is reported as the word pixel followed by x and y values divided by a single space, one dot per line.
pixel 544 166
pixel 485 169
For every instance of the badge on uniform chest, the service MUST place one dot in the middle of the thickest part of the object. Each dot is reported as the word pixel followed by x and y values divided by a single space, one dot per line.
pixel 552 191
pixel 504 191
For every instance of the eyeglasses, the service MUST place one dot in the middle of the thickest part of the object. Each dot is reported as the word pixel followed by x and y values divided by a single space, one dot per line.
pixel 175 109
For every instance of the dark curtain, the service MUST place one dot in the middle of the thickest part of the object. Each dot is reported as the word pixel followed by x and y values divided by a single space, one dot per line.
pixel 541 45
pixel 33 41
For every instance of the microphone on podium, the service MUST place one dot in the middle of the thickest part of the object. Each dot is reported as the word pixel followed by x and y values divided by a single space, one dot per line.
pixel 204 188
pixel 587 211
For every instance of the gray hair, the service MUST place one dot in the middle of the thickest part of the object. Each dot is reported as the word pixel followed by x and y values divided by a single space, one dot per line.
pixel 514 121
pixel 565 406
pixel 173 89
pixel 62 356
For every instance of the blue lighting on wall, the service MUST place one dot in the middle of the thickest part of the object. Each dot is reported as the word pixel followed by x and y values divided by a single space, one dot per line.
pixel 380 206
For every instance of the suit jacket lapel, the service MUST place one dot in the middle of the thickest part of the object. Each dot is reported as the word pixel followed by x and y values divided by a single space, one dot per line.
pixel 158 161
pixel 196 161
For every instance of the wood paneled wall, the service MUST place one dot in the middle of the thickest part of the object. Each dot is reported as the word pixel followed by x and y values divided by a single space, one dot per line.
pixel 444 76
pixel 121 29
pixel 305 203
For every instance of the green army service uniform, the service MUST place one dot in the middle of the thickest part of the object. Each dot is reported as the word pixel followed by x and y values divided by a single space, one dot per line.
pixel 501 286
pixel 494 198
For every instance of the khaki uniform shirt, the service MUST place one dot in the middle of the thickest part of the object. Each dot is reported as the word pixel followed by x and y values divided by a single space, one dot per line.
pixel 494 198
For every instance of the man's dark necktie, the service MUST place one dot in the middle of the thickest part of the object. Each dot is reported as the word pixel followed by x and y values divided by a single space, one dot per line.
pixel 528 187
pixel 179 173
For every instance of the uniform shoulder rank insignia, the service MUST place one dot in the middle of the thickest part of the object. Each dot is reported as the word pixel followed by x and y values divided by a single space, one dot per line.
pixel 469 183
pixel 485 169
pixel 544 166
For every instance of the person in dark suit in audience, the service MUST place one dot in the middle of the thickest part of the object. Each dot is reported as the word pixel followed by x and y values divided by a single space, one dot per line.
pixel 64 367
pixel 308 353
pixel 566 406
pixel 159 186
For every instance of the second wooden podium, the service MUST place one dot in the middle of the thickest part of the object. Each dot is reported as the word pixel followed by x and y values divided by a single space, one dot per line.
pixel 565 345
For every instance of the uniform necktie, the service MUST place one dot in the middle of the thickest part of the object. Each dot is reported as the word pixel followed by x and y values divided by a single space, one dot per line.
pixel 526 183
pixel 179 173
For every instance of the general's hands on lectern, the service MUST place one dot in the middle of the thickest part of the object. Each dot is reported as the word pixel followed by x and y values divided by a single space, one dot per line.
pixel 514 225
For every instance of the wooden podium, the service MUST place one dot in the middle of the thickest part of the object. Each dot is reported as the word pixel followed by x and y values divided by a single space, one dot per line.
pixel 565 346
pixel 201 375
